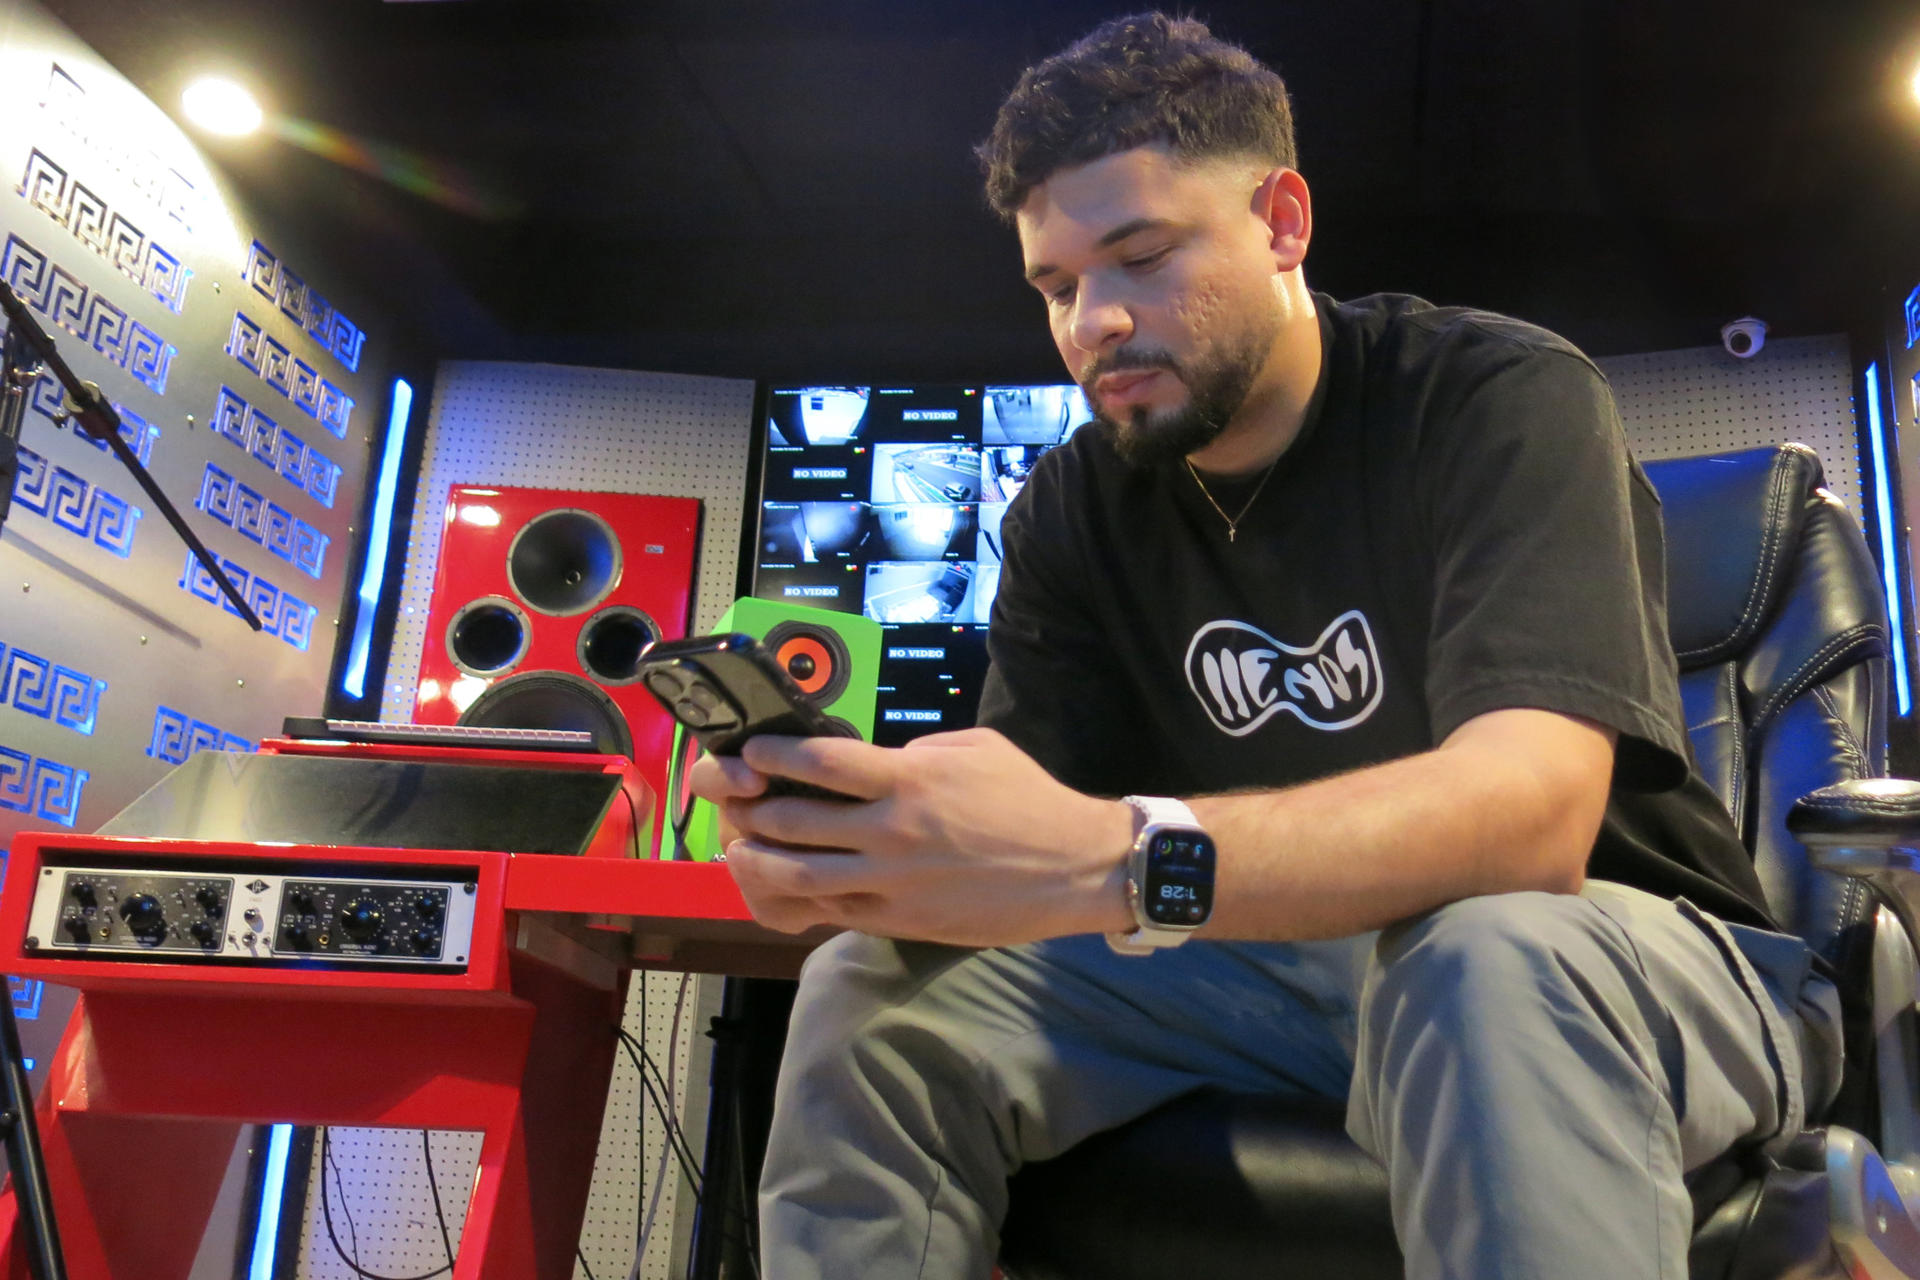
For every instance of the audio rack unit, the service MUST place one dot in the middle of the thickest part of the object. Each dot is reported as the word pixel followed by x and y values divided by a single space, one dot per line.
pixel 420 917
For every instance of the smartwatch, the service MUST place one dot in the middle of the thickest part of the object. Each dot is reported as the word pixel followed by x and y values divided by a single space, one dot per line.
pixel 1169 876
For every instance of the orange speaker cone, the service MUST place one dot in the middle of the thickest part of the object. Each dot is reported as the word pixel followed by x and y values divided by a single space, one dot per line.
pixel 807 660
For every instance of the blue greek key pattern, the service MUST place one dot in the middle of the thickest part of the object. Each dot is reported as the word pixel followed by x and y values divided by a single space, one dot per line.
pixel 291 376
pixel 276 447
pixel 1913 317
pixel 56 193
pixel 177 737
pixel 242 509
pixel 26 994
pixel 286 616
pixel 103 132
pixel 88 316
pixel 272 280
pixel 41 687
pixel 43 788
pixel 140 435
pixel 81 508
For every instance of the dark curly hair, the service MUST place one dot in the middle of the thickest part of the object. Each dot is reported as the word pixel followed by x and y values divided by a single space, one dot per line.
pixel 1146 78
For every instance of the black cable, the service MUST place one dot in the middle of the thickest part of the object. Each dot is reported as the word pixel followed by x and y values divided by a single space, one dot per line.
pixel 326 1212
pixel 658 1078
pixel 433 1185
pixel 688 1165
pixel 633 814
pixel 751 1226
pixel 580 1254
pixel 640 1110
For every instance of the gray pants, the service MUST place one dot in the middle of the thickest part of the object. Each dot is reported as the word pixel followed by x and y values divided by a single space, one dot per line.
pixel 1536 1071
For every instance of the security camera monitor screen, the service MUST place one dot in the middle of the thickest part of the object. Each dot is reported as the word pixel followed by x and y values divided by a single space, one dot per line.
pixel 887 501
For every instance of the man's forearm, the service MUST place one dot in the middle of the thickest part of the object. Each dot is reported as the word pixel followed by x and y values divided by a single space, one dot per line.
pixel 1359 851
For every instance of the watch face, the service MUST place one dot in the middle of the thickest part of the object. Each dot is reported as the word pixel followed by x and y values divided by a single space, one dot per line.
pixel 1177 889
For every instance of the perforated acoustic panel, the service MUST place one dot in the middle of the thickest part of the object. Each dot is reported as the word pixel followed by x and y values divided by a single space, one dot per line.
pixel 552 426
pixel 1702 400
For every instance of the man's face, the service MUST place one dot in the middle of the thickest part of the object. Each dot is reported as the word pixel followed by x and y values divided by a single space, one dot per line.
pixel 1158 278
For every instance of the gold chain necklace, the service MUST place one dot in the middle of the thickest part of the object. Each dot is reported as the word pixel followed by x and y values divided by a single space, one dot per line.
pixel 1233 521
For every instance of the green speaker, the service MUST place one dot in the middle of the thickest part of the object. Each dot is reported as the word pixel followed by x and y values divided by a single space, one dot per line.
pixel 833 657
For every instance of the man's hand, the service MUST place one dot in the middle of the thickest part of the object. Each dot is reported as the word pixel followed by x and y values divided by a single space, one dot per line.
pixel 958 838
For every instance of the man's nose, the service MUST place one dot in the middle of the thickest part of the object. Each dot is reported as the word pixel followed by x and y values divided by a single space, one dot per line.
pixel 1100 320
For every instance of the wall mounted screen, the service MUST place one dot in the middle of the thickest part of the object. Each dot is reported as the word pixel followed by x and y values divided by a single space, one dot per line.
pixel 887 501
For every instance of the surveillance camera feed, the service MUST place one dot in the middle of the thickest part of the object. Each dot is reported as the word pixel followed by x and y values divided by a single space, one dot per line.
pixel 887 501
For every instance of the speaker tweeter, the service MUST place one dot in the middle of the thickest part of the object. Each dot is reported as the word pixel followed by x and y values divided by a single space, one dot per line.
pixel 564 561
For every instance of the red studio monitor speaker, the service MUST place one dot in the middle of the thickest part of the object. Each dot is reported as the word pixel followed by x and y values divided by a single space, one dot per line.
pixel 542 601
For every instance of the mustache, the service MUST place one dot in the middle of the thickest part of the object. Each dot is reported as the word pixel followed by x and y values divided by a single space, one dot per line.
pixel 1121 360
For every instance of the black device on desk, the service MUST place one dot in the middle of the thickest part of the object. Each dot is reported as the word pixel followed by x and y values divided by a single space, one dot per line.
pixel 726 689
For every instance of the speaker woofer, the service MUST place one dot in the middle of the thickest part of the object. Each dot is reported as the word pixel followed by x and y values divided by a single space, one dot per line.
pixel 816 657
pixel 553 700
pixel 488 636
pixel 610 643
pixel 564 561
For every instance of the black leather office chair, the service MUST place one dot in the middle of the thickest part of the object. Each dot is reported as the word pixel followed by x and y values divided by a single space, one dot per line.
pixel 1777 617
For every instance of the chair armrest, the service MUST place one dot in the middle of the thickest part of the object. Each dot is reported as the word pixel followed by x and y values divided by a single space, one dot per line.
pixel 1871 813
pixel 1868 828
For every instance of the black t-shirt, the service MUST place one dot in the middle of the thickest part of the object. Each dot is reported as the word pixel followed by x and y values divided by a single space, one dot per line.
pixel 1457 529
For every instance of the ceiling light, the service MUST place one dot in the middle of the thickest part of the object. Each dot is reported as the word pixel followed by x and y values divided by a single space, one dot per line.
pixel 222 107
pixel 1916 83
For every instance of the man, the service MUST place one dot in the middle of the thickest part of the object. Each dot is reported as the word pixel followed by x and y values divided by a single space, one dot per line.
pixel 1374 588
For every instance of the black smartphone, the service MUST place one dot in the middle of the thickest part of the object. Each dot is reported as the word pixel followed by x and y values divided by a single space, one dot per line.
pixel 727 688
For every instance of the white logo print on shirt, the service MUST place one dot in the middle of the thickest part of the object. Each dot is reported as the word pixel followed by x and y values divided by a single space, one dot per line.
pixel 1244 677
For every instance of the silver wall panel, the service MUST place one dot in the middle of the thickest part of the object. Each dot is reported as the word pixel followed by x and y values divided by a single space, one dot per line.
pixel 158 285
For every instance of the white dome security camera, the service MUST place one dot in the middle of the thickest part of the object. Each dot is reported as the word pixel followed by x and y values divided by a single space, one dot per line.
pixel 1744 337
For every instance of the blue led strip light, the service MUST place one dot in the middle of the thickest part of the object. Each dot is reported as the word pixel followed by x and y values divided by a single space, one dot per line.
pixel 48 399
pixel 284 615
pixel 27 994
pixel 266 1232
pixel 177 737
pixel 260 352
pixel 248 513
pixel 51 189
pixel 81 508
pixel 373 575
pixel 1883 516
pixel 272 280
pixel 57 294
pixel 41 787
pixel 41 687
pixel 275 447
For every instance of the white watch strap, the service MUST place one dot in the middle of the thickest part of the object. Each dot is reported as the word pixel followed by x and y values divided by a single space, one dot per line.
pixel 1162 809
pixel 1141 940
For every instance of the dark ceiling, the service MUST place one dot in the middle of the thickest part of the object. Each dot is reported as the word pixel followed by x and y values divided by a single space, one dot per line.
pixel 783 187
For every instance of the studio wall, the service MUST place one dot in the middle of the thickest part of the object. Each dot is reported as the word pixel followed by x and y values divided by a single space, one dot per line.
pixel 250 379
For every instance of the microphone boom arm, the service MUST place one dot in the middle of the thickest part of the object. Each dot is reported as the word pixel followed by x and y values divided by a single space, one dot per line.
pixel 93 414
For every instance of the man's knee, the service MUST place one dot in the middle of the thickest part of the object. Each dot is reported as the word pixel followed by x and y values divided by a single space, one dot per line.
pixel 1482 959
pixel 857 991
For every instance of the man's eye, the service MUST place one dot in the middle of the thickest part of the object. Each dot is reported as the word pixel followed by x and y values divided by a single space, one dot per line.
pixel 1060 295
pixel 1147 260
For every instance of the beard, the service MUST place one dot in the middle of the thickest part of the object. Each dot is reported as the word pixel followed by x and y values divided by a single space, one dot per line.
pixel 1217 382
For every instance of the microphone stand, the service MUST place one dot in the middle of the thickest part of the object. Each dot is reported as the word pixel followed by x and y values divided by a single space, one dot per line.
pixel 31 1193
pixel 27 346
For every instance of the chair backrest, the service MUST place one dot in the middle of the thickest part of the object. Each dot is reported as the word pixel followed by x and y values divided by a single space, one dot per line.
pixel 1775 611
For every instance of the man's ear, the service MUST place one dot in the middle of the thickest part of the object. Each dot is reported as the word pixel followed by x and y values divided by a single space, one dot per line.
pixel 1283 202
